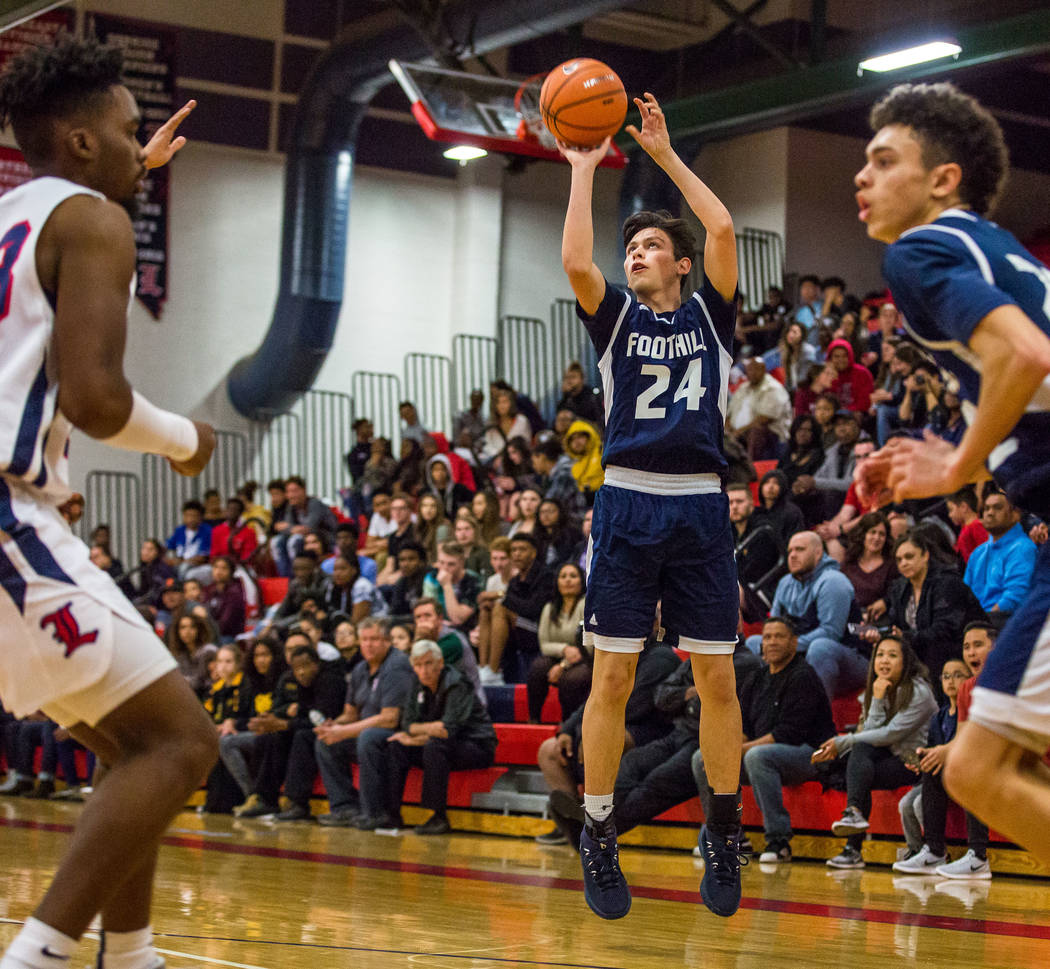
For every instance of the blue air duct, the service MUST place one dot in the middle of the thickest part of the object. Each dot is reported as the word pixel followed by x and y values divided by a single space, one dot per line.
pixel 319 178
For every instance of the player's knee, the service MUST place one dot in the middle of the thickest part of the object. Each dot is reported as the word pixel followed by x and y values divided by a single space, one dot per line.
pixel 612 684
pixel 715 679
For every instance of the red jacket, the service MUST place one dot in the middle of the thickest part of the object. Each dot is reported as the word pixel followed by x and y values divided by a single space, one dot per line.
pixel 240 545
pixel 854 385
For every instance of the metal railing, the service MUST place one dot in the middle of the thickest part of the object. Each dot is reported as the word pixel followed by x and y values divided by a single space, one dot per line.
pixel 377 396
pixel 115 499
pixel 569 342
pixel 326 435
pixel 760 257
pixel 428 384
pixel 276 449
pixel 473 366
pixel 522 360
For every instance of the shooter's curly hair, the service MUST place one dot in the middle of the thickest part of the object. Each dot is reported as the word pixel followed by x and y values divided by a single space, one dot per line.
pixel 44 83
pixel 951 127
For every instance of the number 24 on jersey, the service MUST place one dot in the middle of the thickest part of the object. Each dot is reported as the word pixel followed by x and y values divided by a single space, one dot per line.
pixel 691 389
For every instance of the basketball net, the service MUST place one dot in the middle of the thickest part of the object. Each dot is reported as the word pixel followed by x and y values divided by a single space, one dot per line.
pixel 527 104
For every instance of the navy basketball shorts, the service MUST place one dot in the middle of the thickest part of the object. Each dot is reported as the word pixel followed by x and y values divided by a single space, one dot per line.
pixel 673 549
pixel 1012 697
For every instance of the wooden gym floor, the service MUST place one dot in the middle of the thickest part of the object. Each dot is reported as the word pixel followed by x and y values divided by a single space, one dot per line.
pixel 257 895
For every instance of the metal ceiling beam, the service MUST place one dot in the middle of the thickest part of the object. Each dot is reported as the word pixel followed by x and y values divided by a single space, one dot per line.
pixel 812 91
pixel 744 22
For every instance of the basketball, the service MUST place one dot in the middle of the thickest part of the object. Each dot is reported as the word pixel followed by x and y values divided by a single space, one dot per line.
pixel 582 102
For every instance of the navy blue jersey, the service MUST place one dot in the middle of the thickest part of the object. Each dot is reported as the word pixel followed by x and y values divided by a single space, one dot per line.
pixel 666 380
pixel 945 278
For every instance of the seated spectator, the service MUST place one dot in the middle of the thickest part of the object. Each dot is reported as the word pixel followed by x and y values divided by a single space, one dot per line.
pixel 472 420
pixel 454 587
pixel 577 396
pixel 428 623
pixel 434 526
pixel 402 635
pixel 223 704
pixel 172 598
pixel 102 558
pixel 301 513
pixel 896 710
pixel 758 557
pixel 403 595
pixel 962 512
pixel 853 383
pixel 888 328
pixel 849 329
pixel 346 535
pixel 868 562
pixel 810 303
pixel 378 475
pixel 349 593
pixel 377 690
pixel 946 419
pixel 467 532
pixel 484 506
pixel 759 413
pixel 655 777
pixel 583 445
pixel 308 690
pixel 835 475
pixel 785 713
pixel 929 605
pixel 563 418
pixel 817 598
pixel 357 457
pixel 408 474
pixel 776 508
pixel 511 472
pixel 504 424
pixel 189 643
pixel 835 531
pixel 190 543
pixel 1000 570
pixel 307 583
pixel 555 478
pixel 263 666
pixel 410 424
pixel 444 727
pixel 151 574
pixel 563 662
pixel 404 532
pixel 922 389
pixel 826 407
pixel 792 355
pixel 926 836
pixel 560 537
pixel 805 453
pixel 516 616
pixel 224 599
pixel 526 519
pixel 439 481
pixel 213 510
pixel 559 757
pixel 23 739
pixel 235 537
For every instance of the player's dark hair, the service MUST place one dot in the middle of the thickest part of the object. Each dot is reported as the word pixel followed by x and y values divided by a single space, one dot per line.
pixel 43 84
pixel 951 127
pixel 683 241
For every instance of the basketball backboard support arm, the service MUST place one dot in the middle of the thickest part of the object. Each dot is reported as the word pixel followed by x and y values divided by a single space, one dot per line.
pixel 485 112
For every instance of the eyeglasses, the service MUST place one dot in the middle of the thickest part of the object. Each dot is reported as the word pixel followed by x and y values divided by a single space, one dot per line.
pixel 958 675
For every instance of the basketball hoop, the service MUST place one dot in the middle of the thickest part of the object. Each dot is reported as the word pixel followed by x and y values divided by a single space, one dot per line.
pixel 527 104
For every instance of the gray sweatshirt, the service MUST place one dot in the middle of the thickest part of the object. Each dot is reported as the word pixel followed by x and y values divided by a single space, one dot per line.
pixel 906 731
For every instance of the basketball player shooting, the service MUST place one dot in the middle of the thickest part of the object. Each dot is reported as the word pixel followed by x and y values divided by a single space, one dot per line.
pixel 74 647
pixel 661 521
pixel 980 304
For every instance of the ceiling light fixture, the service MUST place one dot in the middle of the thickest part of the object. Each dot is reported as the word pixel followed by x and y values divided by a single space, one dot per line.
pixel 910 56
pixel 464 153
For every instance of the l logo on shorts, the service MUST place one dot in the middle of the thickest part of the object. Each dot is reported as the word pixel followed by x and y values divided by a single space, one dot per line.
pixel 67 630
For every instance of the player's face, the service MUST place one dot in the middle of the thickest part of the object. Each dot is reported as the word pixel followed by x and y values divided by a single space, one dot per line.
pixel 895 190
pixel 120 165
pixel 650 265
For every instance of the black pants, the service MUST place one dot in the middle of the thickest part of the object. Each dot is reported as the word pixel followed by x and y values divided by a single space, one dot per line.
pixel 574 686
pixel 275 754
pixel 870 769
pixel 438 758
pixel 935 818
pixel 654 778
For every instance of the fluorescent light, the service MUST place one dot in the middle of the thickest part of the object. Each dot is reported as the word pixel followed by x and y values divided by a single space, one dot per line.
pixel 464 153
pixel 912 55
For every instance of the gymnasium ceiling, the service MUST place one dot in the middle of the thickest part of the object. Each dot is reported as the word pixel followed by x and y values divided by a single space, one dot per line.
pixel 728 66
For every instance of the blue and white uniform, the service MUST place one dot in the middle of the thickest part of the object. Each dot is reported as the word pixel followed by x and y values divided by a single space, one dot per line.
pixel 661 521
pixel 72 643
pixel 945 278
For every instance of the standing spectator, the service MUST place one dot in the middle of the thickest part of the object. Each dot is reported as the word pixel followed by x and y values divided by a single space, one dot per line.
pixel 471 421
pixel 853 383
pixel 962 511
pixel 785 714
pixel 1000 570
pixel 224 599
pixel 579 397
pixel 357 457
pixel 556 479
pixel 444 727
pixel 562 661
pixel 505 424
pixel 235 537
pixel 377 690
pixel 410 426
pixel 190 543
pixel 869 562
pixel 898 704
pixel 302 513
pixel 817 598
pixel 451 494
pixel 759 413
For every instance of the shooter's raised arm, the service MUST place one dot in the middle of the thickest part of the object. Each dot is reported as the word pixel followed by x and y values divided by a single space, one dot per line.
pixel 577 241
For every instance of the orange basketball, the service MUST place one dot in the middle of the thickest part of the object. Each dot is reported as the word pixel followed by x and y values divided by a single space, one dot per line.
pixel 583 101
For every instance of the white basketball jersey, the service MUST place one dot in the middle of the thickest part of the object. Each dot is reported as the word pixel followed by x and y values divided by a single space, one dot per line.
pixel 34 435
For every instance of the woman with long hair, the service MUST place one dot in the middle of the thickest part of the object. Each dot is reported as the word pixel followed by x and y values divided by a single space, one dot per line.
pixel 793 355
pixel 467 533
pixel 559 536
pixel 434 527
pixel 189 642
pixel 869 563
pixel 898 703
pixel 408 473
pixel 562 662
pixel 526 518
pixel 505 423
pixel 805 450
pixel 485 507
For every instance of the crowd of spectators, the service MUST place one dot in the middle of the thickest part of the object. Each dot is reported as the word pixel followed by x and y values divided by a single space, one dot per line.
pixel 456 566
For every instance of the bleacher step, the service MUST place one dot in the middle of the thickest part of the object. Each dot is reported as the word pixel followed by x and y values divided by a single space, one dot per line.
pixel 521 791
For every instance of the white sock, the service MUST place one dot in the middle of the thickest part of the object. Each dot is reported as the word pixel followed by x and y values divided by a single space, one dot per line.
pixel 128 950
pixel 38 946
pixel 598 806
